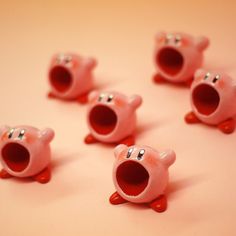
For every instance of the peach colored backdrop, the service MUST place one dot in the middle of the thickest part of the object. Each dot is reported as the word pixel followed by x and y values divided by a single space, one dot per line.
pixel 120 34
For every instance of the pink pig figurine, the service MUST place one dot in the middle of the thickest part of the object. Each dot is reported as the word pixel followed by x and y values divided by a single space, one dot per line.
pixel 111 117
pixel 25 152
pixel 140 175
pixel 177 56
pixel 213 100
pixel 70 77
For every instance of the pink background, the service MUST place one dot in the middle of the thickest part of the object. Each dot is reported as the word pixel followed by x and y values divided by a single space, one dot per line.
pixel 120 35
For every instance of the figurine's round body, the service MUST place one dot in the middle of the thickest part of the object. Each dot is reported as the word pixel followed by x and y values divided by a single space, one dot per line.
pixel 25 150
pixel 213 100
pixel 70 76
pixel 111 116
pixel 178 55
pixel 140 173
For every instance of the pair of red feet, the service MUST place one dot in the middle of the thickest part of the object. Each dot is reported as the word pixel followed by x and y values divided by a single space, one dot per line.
pixel 43 177
pixel 83 99
pixel 227 126
pixel 158 205
pixel 129 141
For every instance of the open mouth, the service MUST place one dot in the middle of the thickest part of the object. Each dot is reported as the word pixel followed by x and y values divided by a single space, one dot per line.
pixel 170 61
pixel 132 178
pixel 206 99
pixel 103 119
pixel 60 79
pixel 15 156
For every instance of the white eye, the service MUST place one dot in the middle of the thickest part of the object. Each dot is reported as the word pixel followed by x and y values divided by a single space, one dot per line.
pixel 207 75
pixel 129 152
pixel 11 132
pixel 140 154
pixel 177 39
pixel 101 96
pixel 168 38
pixel 21 134
pixel 216 78
pixel 110 98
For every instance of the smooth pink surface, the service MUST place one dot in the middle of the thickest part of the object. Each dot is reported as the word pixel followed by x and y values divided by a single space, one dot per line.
pixel 155 163
pixel 70 75
pixel 37 144
pixel 178 55
pixel 107 127
pixel 201 191
pixel 209 106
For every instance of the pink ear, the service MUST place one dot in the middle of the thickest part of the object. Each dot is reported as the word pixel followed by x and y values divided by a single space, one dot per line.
pixel 200 73
pixel 3 129
pixel 118 149
pixel 168 157
pixel 160 35
pixel 202 43
pixel 135 101
pixel 47 135
pixel 90 63
pixel 92 95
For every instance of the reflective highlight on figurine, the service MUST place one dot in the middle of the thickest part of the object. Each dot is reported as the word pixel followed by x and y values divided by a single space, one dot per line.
pixel 140 175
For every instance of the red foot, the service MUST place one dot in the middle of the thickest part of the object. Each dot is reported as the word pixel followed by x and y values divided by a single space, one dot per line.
pixel 43 177
pixel 159 79
pixel 191 118
pixel 51 95
pixel 159 204
pixel 129 141
pixel 116 199
pixel 89 139
pixel 5 175
pixel 83 99
pixel 227 126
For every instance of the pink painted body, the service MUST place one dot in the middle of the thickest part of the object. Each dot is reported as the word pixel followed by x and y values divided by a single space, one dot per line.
pixel 111 116
pixel 25 150
pixel 70 76
pixel 213 97
pixel 140 173
pixel 179 55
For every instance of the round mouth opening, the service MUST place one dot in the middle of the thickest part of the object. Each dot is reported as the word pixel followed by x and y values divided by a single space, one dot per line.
pixel 132 178
pixel 103 119
pixel 15 156
pixel 206 99
pixel 170 61
pixel 60 79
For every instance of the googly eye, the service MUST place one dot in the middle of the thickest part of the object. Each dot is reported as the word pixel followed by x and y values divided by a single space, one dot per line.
pixel 101 96
pixel 11 132
pixel 216 78
pixel 67 59
pixel 177 39
pixel 140 154
pixel 129 152
pixel 110 98
pixel 207 75
pixel 21 134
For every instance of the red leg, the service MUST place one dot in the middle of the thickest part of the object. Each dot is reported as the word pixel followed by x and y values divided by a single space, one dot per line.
pixel 5 175
pixel 227 126
pixel 83 98
pixel 129 141
pixel 51 95
pixel 157 78
pixel 116 199
pixel 191 118
pixel 159 204
pixel 89 139
pixel 43 177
